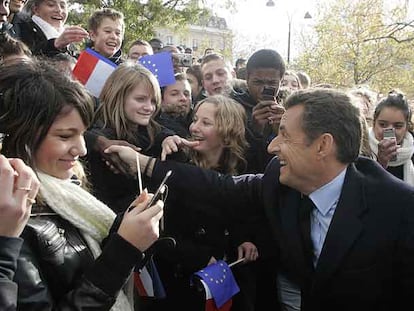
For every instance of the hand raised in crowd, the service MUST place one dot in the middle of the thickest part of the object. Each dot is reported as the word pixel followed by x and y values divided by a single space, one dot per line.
pixel 387 149
pixel 266 112
pixel 71 34
pixel 173 143
pixel 140 226
pixel 19 186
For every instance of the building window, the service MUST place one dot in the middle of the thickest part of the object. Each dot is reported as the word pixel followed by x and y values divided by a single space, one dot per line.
pixel 195 44
pixel 169 40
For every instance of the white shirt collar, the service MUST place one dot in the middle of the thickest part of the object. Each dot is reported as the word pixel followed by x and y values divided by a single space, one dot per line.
pixel 49 31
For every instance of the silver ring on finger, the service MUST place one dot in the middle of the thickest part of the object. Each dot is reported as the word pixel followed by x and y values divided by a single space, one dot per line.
pixel 24 188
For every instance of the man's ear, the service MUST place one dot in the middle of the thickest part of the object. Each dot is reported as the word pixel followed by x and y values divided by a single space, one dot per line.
pixel 326 145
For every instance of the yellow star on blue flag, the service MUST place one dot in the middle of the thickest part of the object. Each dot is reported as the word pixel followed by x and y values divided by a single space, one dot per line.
pixel 220 281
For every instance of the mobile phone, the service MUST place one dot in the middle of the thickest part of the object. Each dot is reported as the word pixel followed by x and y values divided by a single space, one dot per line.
pixel 389 133
pixel 268 93
pixel 160 190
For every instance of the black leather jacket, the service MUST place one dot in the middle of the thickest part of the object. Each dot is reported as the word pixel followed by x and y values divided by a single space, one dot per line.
pixel 56 269
pixel 9 252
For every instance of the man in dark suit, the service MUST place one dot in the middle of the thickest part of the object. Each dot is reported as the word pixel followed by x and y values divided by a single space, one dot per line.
pixel 351 246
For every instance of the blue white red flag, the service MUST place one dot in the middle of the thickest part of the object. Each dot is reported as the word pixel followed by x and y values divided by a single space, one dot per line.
pixel 92 70
pixel 148 281
pixel 219 284
pixel 210 304
pixel 161 66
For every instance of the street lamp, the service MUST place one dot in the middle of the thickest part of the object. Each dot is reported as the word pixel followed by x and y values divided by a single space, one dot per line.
pixel 307 16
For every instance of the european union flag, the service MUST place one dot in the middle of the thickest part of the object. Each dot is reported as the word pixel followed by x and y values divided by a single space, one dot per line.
pixel 161 65
pixel 220 281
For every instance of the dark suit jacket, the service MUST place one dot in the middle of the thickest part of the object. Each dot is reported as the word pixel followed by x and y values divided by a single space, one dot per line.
pixel 367 261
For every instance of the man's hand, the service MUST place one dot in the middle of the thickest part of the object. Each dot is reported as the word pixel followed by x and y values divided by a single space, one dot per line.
pixel 112 159
pixel 248 251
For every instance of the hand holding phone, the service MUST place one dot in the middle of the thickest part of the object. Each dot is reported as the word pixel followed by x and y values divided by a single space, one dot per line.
pixel 160 190
pixel 269 93
pixel 389 133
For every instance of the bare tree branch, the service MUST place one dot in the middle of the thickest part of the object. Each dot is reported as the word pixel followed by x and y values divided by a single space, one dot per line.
pixel 174 3
pixel 393 31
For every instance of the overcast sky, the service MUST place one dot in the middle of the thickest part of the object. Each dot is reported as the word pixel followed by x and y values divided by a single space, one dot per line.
pixel 257 25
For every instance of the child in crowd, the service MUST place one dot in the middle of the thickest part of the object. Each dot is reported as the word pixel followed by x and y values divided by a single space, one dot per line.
pixel 106 29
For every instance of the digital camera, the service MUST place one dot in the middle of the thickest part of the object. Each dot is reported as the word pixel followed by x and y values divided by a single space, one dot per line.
pixel 183 59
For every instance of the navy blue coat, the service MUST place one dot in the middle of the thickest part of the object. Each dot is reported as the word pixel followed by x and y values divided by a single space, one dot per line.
pixel 367 261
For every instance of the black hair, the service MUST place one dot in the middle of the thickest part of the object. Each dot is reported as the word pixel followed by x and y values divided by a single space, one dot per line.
pixel 266 58
pixel 32 95
pixel 395 99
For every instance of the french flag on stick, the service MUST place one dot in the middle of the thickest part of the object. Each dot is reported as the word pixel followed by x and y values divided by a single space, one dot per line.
pixel 148 282
pixel 92 70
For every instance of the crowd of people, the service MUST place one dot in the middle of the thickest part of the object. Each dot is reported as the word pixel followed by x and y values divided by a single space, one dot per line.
pixel 309 187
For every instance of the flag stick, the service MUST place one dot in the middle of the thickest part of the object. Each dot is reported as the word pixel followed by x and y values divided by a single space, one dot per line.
pixel 139 175
pixel 236 262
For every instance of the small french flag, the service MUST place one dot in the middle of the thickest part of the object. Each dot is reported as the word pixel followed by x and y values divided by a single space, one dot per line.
pixel 92 70
pixel 210 303
pixel 148 282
